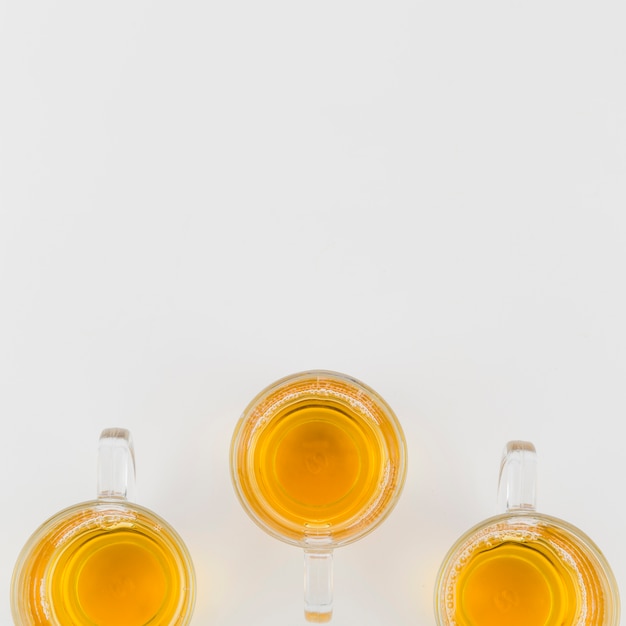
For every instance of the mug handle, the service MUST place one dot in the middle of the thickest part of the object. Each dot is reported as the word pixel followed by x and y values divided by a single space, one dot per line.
pixel 116 465
pixel 318 580
pixel 517 484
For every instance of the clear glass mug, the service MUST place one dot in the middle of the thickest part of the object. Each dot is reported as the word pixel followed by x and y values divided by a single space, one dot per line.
pixel 524 568
pixel 106 562
pixel 318 460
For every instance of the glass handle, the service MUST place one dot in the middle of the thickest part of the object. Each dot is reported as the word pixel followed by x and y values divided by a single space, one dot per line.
pixel 116 464
pixel 517 486
pixel 318 585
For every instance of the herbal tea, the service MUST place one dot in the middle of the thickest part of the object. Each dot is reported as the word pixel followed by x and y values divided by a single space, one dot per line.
pixel 515 585
pixel 316 463
pixel 530 577
pixel 316 456
pixel 105 568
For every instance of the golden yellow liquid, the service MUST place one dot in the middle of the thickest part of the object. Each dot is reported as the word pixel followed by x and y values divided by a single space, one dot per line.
pixel 524 574
pixel 316 462
pixel 100 568
pixel 515 585
pixel 119 583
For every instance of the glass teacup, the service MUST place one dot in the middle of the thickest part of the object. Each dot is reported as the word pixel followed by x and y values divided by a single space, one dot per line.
pixel 524 568
pixel 106 562
pixel 318 460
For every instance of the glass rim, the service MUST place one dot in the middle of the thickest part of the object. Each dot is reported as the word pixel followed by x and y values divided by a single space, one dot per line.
pixel 348 531
pixel 533 519
pixel 91 509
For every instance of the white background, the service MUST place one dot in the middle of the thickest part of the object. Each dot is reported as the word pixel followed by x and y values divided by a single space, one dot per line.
pixel 198 198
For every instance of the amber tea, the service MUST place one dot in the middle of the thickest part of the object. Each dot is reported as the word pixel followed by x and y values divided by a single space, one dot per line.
pixel 524 568
pixel 314 455
pixel 524 574
pixel 318 460
pixel 514 585
pixel 104 566
pixel 318 463
pixel 105 562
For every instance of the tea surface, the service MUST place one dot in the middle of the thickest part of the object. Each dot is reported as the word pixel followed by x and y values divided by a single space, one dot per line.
pixel 114 579
pixel 318 462
pixel 318 458
pixel 105 568
pixel 514 584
